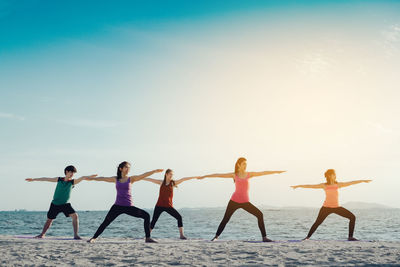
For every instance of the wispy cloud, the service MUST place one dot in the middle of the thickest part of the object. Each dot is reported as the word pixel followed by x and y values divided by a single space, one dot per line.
pixel 11 116
pixel 381 128
pixel 315 63
pixel 391 39
pixel 87 123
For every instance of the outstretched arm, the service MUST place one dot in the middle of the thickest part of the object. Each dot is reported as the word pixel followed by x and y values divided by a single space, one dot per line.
pixel 255 174
pixel 185 179
pixel 217 175
pixel 313 186
pixel 77 181
pixel 136 178
pixel 102 179
pixel 152 180
pixel 344 184
pixel 43 179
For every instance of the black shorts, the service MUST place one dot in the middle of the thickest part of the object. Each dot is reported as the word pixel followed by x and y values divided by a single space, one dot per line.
pixel 56 209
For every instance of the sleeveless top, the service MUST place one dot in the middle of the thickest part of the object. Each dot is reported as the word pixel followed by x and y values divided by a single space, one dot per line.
pixel 332 196
pixel 63 191
pixel 241 194
pixel 165 196
pixel 124 193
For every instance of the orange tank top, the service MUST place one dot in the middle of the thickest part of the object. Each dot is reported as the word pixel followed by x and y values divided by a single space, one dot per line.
pixel 331 196
pixel 241 194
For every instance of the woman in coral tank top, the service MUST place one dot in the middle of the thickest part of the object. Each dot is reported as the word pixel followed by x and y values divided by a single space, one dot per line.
pixel 240 198
pixel 164 202
pixel 331 204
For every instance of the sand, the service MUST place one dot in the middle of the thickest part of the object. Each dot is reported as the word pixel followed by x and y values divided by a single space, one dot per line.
pixel 127 252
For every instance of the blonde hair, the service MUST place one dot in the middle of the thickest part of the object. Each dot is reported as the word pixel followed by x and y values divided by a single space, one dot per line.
pixel 327 174
pixel 237 164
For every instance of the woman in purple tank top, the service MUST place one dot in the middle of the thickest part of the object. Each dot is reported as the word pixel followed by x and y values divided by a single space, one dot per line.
pixel 123 203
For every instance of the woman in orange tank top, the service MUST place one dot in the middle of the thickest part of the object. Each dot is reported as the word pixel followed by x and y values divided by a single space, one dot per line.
pixel 240 198
pixel 165 197
pixel 331 203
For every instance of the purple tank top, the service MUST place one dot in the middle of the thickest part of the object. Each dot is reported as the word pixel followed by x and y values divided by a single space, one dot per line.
pixel 124 196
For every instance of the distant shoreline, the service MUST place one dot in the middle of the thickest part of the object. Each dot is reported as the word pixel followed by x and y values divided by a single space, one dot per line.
pixel 349 205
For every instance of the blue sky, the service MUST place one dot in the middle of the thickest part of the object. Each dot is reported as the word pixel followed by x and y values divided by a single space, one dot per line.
pixel 296 85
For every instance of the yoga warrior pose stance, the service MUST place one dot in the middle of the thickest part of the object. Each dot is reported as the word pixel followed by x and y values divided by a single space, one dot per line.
pixel 331 204
pixel 123 203
pixel 240 198
pixel 61 197
pixel 164 202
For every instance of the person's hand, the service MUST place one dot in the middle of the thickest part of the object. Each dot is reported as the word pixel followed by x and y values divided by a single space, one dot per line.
pixel 294 186
pixel 91 177
pixel 29 179
pixel 159 170
pixel 367 181
pixel 280 171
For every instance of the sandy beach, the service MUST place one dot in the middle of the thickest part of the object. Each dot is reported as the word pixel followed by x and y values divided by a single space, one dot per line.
pixel 123 252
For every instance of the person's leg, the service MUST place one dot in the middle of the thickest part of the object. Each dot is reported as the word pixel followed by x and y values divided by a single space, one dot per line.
pixel 113 213
pixel 260 218
pixel 347 214
pixel 230 209
pixel 70 212
pixel 156 214
pixel 45 228
pixel 75 224
pixel 136 212
pixel 174 213
pixel 323 213
pixel 51 215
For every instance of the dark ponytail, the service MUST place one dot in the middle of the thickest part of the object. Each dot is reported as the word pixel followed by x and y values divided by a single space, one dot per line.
pixel 172 182
pixel 120 166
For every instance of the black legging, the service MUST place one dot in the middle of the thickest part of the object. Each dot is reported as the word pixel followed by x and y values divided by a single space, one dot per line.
pixel 170 210
pixel 324 212
pixel 117 210
pixel 233 206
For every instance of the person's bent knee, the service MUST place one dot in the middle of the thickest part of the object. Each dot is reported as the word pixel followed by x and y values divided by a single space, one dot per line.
pixel 74 216
pixel 352 218
pixel 180 222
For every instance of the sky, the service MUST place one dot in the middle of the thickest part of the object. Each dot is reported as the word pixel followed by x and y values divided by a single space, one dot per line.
pixel 301 86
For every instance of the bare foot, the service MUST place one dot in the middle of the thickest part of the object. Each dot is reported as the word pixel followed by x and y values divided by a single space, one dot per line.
pixel 265 239
pixel 39 236
pixel 352 239
pixel 183 237
pixel 215 238
pixel 150 240
pixel 91 240
pixel 305 239
pixel 77 237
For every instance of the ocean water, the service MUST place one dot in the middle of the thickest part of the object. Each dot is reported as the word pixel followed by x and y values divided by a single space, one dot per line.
pixel 281 224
